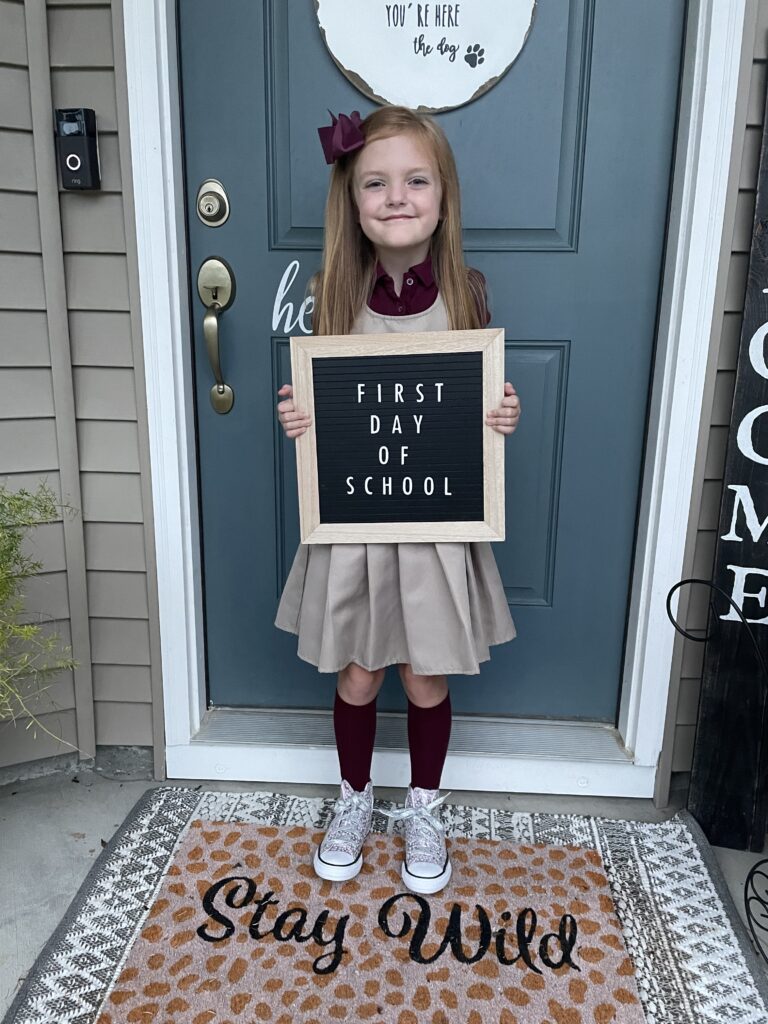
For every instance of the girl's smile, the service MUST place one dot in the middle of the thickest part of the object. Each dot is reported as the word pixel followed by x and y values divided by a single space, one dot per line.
pixel 398 196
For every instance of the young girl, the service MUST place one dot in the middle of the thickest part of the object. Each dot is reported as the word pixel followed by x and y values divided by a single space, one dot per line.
pixel 393 261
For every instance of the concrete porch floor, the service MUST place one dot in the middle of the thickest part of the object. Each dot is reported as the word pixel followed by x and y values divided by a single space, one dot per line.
pixel 52 830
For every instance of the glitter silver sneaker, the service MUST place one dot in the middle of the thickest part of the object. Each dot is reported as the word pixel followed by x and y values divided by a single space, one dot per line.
pixel 426 867
pixel 339 856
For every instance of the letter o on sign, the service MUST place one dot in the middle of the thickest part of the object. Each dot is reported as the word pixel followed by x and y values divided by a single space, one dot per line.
pixel 429 56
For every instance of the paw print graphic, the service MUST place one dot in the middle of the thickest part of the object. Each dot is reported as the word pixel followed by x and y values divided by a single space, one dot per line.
pixel 474 55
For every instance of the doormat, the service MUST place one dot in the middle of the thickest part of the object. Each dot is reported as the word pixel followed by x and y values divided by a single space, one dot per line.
pixel 204 909
pixel 241 918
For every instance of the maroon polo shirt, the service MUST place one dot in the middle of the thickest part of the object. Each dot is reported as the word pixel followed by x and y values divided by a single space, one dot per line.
pixel 418 291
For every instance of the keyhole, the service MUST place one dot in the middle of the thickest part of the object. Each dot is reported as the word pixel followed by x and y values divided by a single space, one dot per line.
pixel 212 204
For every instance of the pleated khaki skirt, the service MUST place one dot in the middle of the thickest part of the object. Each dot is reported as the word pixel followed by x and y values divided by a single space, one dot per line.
pixel 437 606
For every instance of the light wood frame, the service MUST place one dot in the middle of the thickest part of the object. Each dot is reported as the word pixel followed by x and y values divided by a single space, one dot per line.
pixel 306 349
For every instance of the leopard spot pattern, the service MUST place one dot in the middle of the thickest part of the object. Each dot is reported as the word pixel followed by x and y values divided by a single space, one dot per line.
pixel 172 975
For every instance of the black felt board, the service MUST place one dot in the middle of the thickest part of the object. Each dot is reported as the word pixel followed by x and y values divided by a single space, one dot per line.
pixel 448 449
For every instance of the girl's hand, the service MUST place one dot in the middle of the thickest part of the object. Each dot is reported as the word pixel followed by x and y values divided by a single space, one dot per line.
pixel 293 420
pixel 504 418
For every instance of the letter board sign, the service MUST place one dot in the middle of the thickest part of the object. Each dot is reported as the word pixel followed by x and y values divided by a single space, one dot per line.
pixel 398 449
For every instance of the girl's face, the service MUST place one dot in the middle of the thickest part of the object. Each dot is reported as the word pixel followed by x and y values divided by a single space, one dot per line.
pixel 396 186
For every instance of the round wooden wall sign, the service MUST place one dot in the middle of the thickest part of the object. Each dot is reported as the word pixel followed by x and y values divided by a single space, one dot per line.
pixel 429 56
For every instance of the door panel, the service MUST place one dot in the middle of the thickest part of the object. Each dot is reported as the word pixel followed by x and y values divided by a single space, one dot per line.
pixel 539 143
pixel 565 167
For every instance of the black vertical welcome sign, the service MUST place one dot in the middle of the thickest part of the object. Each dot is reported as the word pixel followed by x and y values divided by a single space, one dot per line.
pixel 729 782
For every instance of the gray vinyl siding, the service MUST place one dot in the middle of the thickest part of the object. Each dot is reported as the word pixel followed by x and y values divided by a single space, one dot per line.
pixel 28 428
pixel 737 255
pixel 107 565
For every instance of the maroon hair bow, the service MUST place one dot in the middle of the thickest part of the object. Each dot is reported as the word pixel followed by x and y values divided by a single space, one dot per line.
pixel 342 136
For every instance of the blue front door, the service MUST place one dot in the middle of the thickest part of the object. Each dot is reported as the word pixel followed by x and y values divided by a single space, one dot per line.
pixel 565 167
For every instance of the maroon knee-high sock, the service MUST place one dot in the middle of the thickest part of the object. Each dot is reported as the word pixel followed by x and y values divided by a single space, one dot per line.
pixel 429 730
pixel 355 728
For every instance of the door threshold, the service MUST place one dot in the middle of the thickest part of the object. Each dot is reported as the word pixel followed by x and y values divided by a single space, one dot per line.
pixel 490 754
pixel 470 734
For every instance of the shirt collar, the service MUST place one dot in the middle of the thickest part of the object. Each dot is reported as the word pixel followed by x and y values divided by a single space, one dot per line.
pixel 422 270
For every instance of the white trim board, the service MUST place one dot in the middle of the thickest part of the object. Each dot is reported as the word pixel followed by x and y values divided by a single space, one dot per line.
pixel 711 76
pixel 525 755
pixel 391 769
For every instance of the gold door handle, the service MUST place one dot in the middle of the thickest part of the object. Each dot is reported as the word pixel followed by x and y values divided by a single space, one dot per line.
pixel 216 288
pixel 222 395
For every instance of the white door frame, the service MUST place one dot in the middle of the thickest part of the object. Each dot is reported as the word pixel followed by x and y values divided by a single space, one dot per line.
pixel 706 135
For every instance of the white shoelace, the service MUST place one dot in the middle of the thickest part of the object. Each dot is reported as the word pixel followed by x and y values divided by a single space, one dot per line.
pixel 354 800
pixel 424 812
pixel 347 829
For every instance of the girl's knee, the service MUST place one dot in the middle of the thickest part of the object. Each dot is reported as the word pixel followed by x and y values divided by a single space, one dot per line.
pixel 357 685
pixel 424 691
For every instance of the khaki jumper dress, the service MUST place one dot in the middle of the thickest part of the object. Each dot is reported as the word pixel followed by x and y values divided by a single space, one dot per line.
pixel 437 606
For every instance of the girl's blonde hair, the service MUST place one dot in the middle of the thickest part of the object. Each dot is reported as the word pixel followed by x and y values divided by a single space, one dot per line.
pixel 344 283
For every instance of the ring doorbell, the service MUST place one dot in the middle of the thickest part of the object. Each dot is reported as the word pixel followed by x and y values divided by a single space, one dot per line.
pixel 77 146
